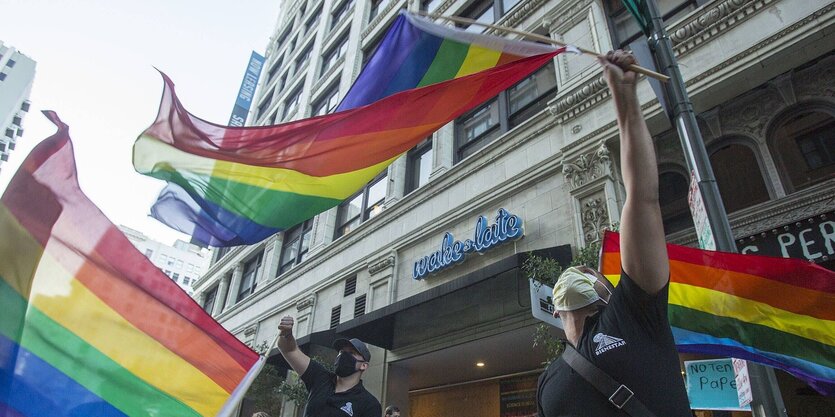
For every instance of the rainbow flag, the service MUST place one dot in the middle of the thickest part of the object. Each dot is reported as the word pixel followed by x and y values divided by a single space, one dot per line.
pixel 89 326
pixel 233 186
pixel 776 311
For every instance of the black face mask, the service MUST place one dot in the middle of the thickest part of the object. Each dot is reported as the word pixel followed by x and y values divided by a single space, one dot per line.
pixel 345 364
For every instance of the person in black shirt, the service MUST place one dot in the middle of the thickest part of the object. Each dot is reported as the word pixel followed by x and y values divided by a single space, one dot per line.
pixel 332 394
pixel 623 331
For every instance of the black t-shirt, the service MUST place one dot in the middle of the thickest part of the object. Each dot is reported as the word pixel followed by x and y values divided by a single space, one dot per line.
pixel 324 402
pixel 631 340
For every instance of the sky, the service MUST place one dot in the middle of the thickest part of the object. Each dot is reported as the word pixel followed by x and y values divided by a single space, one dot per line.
pixel 95 67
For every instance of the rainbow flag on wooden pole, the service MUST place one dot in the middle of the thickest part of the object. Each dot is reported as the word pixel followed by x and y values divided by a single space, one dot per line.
pixel 776 311
pixel 233 186
pixel 89 326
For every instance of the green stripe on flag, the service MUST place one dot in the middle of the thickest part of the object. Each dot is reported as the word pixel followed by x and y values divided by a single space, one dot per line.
pixel 83 363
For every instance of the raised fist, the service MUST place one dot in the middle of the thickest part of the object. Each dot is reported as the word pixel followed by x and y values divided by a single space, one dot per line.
pixel 285 327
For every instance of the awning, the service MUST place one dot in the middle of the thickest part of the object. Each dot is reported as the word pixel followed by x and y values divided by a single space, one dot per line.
pixel 377 327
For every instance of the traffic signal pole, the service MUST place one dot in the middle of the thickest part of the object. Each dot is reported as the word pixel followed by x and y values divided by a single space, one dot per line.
pixel 767 400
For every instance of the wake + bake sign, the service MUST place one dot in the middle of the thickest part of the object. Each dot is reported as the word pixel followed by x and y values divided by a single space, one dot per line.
pixel 507 227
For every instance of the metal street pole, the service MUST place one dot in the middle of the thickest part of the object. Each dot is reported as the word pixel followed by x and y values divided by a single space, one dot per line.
pixel 767 400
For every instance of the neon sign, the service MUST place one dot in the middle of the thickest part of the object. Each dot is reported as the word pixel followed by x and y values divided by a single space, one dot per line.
pixel 506 228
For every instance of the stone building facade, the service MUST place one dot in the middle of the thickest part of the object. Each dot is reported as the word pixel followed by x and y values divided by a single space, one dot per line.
pixel 760 74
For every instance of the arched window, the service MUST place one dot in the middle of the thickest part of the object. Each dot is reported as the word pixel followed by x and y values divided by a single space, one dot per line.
pixel 738 176
pixel 804 143
pixel 672 194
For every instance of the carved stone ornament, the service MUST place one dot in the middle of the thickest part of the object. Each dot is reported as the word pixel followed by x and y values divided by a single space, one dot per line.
pixel 381 265
pixel 250 331
pixel 595 218
pixel 714 21
pixel 305 303
pixel 587 167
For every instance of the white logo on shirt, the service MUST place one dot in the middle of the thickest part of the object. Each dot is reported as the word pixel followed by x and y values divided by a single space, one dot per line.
pixel 605 343
pixel 348 408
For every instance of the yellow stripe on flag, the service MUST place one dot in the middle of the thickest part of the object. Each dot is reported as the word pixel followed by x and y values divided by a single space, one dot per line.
pixel 54 289
pixel 478 59
pixel 722 304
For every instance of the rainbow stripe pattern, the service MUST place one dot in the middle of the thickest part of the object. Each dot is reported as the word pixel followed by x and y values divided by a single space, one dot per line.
pixel 90 327
pixel 776 311
pixel 232 186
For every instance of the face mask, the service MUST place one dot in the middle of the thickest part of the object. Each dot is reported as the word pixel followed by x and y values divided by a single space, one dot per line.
pixel 574 290
pixel 345 364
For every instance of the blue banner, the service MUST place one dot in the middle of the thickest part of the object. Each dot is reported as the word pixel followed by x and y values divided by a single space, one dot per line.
pixel 247 90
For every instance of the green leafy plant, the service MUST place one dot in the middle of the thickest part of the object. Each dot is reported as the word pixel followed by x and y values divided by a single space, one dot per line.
pixel 546 271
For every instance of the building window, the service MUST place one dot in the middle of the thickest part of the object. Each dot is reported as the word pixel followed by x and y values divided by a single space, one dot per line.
pixel 804 144
pixel 274 69
pixel 485 12
pixel 186 280
pixel 672 195
pixel 340 12
pixel 335 313
pixel 11 146
pixel 328 102
pixel 2 147
pixel 738 191
pixel 359 305
pixel 2 76
pixel 175 276
pixel 265 104
pixel 625 28
pixel 295 246
pixel 376 6
pixel 283 36
pixel 25 106
pixel 430 5
pixel 209 299
pixel 10 63
pixel 302 59
pixel 331 56
pixel 418 165
pixel 4 157
pixel 17 120
pixel 350 286
pixel 509 109
pixel 10 133
pixel 248 283
pixel 312 21
pixel 219 253
pixel 149 253
pixel 291 103
pixel 362 206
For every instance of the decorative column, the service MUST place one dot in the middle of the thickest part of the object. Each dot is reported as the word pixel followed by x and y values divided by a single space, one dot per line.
pixel 220 297
pixel 234 284
pixel 594 191
pixel 443 150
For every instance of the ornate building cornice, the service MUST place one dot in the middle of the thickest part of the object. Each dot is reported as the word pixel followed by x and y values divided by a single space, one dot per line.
pixel 714 21
pixel 581 99
pixel 381 265
pixel 587 167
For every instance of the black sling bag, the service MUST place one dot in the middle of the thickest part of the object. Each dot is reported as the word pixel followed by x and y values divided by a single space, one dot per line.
pixel 619 395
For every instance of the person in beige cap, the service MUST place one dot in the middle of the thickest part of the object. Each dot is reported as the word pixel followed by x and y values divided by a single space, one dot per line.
pixel 620 356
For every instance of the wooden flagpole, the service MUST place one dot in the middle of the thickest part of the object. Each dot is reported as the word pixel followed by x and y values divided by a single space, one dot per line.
pixel 635 68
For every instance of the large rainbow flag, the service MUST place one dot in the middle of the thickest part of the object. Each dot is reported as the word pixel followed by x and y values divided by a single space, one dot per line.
pixel 776 311
pixel 232 186
pixel 89 326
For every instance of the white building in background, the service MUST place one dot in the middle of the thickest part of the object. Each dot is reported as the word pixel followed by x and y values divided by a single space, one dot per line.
pixel 17 72
pixel 184 262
